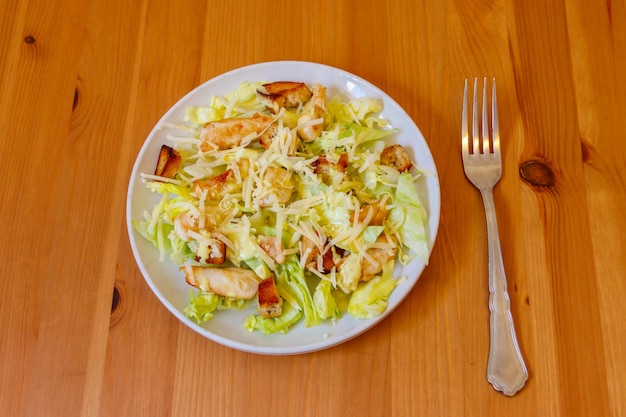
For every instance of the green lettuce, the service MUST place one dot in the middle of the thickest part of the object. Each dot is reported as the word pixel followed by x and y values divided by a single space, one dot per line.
pixel 410 214
pixel 370 299
pixel 203 304
pixel 291 315
pixel 325 303
pixel 241 101
pixel 293 287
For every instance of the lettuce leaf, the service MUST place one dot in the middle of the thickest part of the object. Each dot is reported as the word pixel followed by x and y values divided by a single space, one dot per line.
pixel 281 324
pixel 325 303
pixel 370 299
pixel 411 215
pixel 202 305
pixel 292 285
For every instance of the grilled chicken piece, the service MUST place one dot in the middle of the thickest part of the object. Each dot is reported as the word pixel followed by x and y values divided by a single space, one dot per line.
pixel 314 109
pixel 277 187
pixel 349 273
pixel 215 251
pixel 184 223
pixel 168 162
pixel 228 133
pixel 314 259
pixel 270 303
pixel 396 156
pixel 309 252
pixel 378 216
pixel 273 247
pixel 289 141
pixel 383 254
pixel 283 94
pixel 331 172
pixel 265 140
pixel 229 282
pixel 218 186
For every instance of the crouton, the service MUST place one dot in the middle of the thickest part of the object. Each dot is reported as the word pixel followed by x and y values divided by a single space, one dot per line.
pixel 396 156
pixel 168 162
pixel 216 253
pixel 331 172
pixel 270 303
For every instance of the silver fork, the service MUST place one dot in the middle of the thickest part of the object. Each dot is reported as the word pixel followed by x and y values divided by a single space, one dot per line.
pixel 482 163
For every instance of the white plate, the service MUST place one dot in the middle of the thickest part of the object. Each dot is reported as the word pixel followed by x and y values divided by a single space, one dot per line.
pixel 226 328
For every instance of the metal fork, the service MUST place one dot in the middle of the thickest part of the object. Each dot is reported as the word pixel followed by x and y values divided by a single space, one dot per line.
pixel 482 163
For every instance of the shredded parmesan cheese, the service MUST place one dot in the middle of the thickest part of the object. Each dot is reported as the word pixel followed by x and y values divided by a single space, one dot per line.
pixel 314 194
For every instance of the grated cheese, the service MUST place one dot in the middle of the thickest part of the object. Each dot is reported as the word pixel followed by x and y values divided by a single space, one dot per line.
pixel 152 177
pixel 265 257
pixel 328 215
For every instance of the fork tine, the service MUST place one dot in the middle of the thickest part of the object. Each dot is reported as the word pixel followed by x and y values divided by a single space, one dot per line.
pixel 485 120
pixel 495 128
pixel 475 134
pixel 464 126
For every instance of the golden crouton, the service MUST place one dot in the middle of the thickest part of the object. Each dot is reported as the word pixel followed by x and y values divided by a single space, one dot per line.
pixel 396 157
pixel 281 94
pixel 331 172
pixel 168 162
pixel 270 303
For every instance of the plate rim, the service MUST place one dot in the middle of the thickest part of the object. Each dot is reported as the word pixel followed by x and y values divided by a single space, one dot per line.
pixel 433 219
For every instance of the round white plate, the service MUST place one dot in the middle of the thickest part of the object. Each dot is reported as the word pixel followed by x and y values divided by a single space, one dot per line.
pixel 226 328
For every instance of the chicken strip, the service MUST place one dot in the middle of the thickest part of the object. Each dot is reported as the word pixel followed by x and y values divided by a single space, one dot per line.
pixel 273 247
pixel 379 214
pixel 217 186
pixel 229 282
pixel 281 94
pixel 313 110
pixel 228 133
pixel 276 188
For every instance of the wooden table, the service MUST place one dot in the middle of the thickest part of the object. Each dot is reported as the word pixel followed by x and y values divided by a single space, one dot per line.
pixel 83 83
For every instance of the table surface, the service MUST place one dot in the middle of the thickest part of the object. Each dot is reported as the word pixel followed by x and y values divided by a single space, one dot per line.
pixel 84 82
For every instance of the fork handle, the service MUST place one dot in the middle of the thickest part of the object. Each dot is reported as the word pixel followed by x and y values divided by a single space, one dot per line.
pixel 506 370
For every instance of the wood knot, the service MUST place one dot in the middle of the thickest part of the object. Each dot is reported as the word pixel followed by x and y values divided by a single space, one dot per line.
pixel 537 173
pixel 117 305
pixel 29 39
pixel 75 101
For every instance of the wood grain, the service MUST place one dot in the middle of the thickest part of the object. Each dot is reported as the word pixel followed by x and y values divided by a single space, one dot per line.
pixel 83 83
